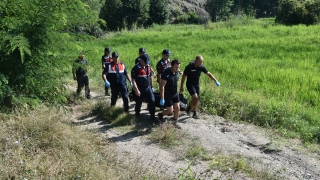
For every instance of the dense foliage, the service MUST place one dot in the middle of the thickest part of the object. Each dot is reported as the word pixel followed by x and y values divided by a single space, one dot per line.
pixel 219 10
pixel 292 12
pixel 33 34
pixel 121 14
pixel 288 12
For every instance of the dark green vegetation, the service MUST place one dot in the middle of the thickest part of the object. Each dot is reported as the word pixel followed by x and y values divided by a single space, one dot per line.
pixel 35 42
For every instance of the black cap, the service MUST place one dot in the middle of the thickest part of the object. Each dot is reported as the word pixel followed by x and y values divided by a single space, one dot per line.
pixel 145 58
pixel 115 54
pixel 142 50
pixel 166 51
pixel 107 49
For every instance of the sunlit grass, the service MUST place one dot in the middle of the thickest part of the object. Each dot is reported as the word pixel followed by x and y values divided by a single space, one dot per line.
pixel 272 69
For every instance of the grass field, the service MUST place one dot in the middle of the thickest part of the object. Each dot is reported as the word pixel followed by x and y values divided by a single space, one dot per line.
pixel 269 73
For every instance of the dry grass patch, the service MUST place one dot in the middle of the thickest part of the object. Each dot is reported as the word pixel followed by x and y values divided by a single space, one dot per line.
pixel 41 144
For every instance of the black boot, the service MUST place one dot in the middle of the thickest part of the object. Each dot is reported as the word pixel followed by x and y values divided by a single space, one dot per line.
pixel 87 91
pixel 188 110
pixel 195 115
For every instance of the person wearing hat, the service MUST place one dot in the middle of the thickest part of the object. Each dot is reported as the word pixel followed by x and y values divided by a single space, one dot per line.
pixel 163 63
pixel 79 71
pixel 115 75
pixel 106 59
pixel 192 72
pixel 142 51
pixel 169 95
pixel 141 75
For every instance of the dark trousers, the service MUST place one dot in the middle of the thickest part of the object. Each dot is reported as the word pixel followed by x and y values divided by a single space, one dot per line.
pixel 115 90
pixel 146 93
pixel 83 81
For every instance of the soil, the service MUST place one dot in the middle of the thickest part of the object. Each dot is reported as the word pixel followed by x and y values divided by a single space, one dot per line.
pixel 285 158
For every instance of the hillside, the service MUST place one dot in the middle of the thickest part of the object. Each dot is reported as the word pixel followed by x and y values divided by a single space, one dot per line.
pixel 188 5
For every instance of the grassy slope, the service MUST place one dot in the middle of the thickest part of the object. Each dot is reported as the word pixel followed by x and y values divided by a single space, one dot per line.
pixel 271 72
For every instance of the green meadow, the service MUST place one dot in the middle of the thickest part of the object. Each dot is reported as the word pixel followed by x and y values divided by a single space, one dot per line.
pixel 269 73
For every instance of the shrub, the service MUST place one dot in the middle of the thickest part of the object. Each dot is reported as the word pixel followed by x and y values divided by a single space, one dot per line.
pixel 293 12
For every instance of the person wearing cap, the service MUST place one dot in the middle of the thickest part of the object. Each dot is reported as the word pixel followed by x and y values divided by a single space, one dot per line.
pixel 142 51
pixel 169 95
pixel 106 59
pixel 79 71
pixel 115 75
pixel 163 63
pixel 192 72
pixel 141 75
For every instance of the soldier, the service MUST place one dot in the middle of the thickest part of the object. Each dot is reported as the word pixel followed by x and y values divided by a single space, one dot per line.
pixel 115 75
pixel 143 86
pixel 106 59
pixel 79 71
pixel 163 63
pixel 142 51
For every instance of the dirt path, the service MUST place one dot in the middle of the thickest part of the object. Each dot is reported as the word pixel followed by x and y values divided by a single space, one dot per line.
pixel 281 158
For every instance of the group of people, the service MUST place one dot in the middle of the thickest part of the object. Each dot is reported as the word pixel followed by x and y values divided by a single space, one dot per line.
pixel 115 77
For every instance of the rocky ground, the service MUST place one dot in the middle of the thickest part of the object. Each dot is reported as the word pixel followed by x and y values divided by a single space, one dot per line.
pixel 189 5
pixel 286 159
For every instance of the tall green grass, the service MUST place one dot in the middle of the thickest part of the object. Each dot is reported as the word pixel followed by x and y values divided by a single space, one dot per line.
pixel 269 68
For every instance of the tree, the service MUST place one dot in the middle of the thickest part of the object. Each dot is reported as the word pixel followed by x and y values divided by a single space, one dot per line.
pixel 292 12
pixel 159 11
pixel 111 12
pixel 135 12
pixel 32 32
pixel 219 10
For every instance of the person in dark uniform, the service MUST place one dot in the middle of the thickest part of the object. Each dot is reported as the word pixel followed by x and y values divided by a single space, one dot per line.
pixel 163 64
pixel 143 86
pixel 192 72
pixel 106 59
pixel 142 51
pixel 115 75
pixel 169 95
pixel 79 71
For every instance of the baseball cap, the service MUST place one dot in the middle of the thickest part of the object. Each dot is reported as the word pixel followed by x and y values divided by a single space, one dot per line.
pixel 166 51
pixel 107 49
pixel 115 54
pixel 145 58
pixel 142 50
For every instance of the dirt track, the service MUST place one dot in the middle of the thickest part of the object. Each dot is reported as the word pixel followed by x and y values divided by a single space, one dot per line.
pixel 215 134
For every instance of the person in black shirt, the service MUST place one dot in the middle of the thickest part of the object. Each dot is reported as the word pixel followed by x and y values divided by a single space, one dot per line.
pixel 169 95
pixel 79 71
pixel 106 60
pixel 141 75
pixel 192 72
pixel 163 64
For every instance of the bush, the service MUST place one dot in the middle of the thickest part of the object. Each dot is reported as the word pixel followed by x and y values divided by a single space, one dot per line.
pixel 190 17
pixel 293 12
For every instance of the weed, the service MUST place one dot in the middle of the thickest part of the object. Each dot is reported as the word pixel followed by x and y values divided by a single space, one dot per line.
pixel 167 135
